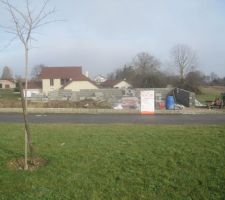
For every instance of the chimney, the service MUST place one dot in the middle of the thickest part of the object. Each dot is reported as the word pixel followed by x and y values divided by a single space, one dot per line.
pixel 86 74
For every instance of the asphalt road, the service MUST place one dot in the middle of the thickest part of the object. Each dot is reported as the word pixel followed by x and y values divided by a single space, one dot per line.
pixel 115 118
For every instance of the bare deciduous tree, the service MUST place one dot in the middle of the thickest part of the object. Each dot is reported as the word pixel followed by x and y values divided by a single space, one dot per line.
pixel 145 63
pixel 213 76
pixel 193 80
pixel 36 70
pixel 24 23
pixel 184 59
pixel 142 71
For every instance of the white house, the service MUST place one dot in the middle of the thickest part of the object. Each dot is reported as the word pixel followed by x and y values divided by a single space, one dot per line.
pixel 99 79
pixel 120 84
pixel 34 88
pixel 55 78
pixel 7 84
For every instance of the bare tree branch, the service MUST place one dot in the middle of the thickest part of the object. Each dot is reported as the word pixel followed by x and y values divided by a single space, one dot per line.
pixel 9 43
pixel 26 22
pixel 184 59
pixel 15 10
pixel 41 11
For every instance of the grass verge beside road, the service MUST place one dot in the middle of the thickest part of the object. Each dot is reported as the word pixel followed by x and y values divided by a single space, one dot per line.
pixel 116 162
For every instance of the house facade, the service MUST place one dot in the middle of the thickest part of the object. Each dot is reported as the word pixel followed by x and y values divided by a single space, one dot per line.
pixel 55 78
pixel 7 84
pixel 99 79
pixel 120 84
pixel 33 88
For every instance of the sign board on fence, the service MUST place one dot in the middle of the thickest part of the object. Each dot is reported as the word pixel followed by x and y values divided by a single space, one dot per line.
pixel 147 102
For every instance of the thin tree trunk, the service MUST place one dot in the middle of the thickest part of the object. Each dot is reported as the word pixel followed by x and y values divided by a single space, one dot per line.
pixel 26 76
pixel 25 112
pixel 25 150
pixel 28 139
pixel 26 126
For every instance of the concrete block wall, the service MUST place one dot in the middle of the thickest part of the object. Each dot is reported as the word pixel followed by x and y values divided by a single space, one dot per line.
pixel 60 95
pixel 114 96
pixel 160 95
pixel 110 95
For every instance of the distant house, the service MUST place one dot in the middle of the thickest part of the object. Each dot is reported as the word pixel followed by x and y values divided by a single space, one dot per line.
pixel 120 84
pixel 34 88
pixel 7 84
pixel 99 79
pixel 55 78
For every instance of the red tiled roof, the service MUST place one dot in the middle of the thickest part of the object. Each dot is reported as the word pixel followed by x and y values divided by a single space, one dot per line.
pixel 81 77
pixel 34 85
pixel 60 72
pixel 11 80
pixel 110 83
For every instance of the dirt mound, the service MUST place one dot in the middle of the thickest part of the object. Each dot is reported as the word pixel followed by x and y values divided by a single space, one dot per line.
pixel 33 163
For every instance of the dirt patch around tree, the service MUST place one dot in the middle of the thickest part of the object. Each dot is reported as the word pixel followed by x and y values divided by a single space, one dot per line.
pixel 33 163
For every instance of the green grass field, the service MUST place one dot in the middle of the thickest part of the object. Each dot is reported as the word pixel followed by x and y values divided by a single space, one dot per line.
pixel 8 94
pixel 9 98
pixel 116 162
pixel 209 93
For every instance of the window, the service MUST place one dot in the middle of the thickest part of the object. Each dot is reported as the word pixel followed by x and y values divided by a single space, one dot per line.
pixel 64 81
pixel 0 85
pixel 51 82
pixel 7 86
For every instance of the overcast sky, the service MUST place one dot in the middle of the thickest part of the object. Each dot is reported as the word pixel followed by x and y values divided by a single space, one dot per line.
pixel 102 35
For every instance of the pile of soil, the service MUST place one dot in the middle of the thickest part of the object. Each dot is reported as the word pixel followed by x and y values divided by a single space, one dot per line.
pixel 10 103
pixel 33 163
pixel 87 103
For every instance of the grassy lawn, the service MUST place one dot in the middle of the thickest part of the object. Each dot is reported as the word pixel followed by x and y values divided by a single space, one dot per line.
pixel 209 93
pixel 8 94
pixel 8 98
pixel 116 162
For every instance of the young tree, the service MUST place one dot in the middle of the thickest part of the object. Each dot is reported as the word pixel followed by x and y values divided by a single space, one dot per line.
pixel 24 23
pixel 184 59
pixel 7 73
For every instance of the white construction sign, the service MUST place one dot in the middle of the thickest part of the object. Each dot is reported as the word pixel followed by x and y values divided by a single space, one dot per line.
pixel 147 102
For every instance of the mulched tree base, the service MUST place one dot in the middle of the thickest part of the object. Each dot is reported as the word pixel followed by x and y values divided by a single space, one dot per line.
pixel 33 163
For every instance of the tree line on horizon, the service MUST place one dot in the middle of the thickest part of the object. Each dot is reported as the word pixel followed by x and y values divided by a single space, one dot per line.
pixel 144 71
